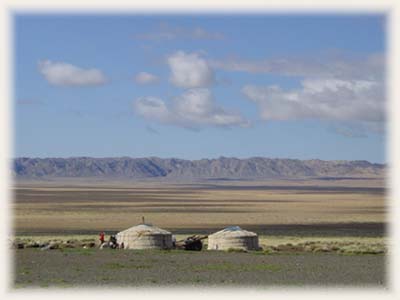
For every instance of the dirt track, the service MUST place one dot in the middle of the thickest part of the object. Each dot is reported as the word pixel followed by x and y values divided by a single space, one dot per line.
pixel 92 267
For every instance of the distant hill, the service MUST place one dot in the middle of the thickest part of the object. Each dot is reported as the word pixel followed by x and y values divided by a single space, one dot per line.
pixel 179 169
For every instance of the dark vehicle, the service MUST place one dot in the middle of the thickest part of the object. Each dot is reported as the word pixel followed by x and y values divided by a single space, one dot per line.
pixel 191 243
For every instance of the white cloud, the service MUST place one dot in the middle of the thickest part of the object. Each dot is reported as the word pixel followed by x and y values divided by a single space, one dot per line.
pixel 368 68
pixel 198 106
pixel 145 78
pixel 194 108
pixel 64 74
pixel 340 91
pixel 190 70
pixel 152 108
pixel 324 99
pixel 166 32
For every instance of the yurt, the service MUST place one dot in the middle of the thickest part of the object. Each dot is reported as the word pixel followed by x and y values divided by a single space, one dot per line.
pixel 233 237
pixel 145 236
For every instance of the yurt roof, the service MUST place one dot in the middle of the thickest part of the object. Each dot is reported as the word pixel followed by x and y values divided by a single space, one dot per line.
pixel 233 231
pixel 145 229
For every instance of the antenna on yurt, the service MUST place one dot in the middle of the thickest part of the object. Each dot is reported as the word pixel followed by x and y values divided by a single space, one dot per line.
pixel 142 219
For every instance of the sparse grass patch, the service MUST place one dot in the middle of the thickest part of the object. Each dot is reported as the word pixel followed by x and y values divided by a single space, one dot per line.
pixel 225 266
pixel 333 246
pixel 208 267
pixel 266 251
pixel 236 250
pixel 150 260
pixel 198 279
pixel 61 281
pixel 263 267
pixel 117 266
pixel 114 266
pixel 139 267
pixel 215 267
pixel 25 272
pixel 80 251
pixel 44 284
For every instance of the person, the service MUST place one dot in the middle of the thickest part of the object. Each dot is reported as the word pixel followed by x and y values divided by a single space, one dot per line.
pixel 173 241
pixel 101 235
pixel 113 242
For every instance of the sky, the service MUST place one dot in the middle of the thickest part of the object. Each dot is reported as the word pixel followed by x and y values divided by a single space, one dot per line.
pixel 200 86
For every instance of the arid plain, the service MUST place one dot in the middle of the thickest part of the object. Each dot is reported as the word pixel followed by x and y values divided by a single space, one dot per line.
pixel 70 207
pixel 297 222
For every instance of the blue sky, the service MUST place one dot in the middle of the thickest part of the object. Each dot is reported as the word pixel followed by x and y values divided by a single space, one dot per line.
pixel 200 86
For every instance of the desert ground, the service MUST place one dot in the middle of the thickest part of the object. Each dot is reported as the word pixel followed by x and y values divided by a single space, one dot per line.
pixel 90 268
pixel 345 220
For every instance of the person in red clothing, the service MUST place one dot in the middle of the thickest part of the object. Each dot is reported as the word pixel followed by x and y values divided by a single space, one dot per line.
pixel 101 235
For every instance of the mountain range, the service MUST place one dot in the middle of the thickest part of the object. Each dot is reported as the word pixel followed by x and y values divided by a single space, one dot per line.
pixel 180 169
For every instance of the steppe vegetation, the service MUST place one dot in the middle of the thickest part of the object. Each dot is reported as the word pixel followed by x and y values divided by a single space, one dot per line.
pixel 311 232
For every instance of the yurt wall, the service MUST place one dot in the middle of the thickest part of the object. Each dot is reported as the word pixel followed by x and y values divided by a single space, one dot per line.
pixel 145 236
pixel 233 238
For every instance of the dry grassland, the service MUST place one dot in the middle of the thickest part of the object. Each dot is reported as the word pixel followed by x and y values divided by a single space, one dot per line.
pixel 319 206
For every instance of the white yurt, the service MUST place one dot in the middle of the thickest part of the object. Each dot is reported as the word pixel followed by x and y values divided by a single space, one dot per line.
pixel 145 236
pixel 233 237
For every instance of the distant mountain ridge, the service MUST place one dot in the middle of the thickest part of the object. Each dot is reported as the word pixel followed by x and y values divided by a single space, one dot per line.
pixel 180 169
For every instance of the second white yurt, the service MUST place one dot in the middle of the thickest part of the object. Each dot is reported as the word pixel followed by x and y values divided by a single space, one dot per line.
pixel 145 236
pixel 233 237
